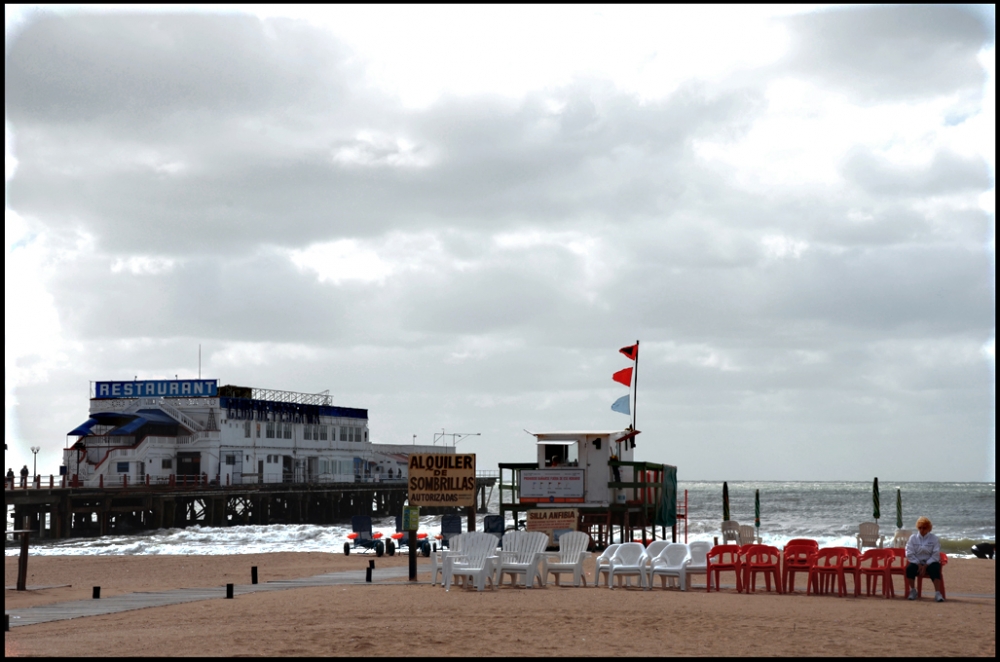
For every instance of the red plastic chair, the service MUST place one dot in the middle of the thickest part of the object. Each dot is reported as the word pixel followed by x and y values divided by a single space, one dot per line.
pixel 875 565
pixel 765 559
pixel 852 568
pixel 897 566
pixel 796 558
pixel 827 566
pixel 723 558
pixel 920 580
pixel 808 542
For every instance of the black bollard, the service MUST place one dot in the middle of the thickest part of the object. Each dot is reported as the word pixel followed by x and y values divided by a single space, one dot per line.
pixel 229 591
pixel 253 574
pixel 6 622
pixel 97 593
pixel 368 574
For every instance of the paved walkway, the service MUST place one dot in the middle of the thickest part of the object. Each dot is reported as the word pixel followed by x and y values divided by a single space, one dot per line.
pixel 126 602
pixel 66 610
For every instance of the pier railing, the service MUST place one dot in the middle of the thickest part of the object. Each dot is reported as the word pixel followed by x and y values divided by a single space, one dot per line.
pixel 128 481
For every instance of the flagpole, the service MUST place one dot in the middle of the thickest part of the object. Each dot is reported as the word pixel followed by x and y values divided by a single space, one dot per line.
pixel 635 384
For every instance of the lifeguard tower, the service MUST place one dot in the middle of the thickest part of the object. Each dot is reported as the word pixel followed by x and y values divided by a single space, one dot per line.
pixel 593 472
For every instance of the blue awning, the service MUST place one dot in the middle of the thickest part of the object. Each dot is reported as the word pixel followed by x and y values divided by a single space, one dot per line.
pixel 142 417
pixel 101 418
pixel 156 416
pixel 83 429
pixel 131 426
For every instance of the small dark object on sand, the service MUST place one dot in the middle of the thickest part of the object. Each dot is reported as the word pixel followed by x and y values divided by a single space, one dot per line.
pixel 983 550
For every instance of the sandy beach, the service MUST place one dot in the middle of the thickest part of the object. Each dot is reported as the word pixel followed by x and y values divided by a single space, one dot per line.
pixel 394 617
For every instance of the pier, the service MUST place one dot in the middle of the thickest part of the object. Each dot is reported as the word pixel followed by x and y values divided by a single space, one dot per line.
pixel 56 510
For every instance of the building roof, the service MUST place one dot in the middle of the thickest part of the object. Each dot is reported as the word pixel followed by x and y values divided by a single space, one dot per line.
pixel 574 433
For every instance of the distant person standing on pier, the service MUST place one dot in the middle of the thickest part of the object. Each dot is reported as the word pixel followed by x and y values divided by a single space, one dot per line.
pixel 24 476
pixel 10 477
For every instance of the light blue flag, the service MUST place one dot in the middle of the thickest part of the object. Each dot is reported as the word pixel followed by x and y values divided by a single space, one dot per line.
pixel 621 405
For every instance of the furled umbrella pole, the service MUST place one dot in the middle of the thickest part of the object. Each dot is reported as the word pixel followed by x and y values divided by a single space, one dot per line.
pixel 725 502
pixel 756 511
pixel 899 509
pixel 876 512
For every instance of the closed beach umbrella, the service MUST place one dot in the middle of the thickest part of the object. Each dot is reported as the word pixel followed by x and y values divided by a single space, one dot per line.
pixel 899 509
pixel 756 510
pixel 876 513
pixel 725 502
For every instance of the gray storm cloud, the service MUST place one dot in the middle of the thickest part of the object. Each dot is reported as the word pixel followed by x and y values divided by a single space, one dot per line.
pixel 200 153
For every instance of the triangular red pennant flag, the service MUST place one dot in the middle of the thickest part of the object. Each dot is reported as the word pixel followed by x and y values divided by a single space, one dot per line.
pixel 631 351
pixel 623 376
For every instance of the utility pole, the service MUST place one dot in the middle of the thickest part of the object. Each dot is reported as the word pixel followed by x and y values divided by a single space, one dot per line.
pixel 34 451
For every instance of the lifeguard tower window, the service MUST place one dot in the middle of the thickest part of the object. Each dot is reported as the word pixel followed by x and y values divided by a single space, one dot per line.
pixel 562 455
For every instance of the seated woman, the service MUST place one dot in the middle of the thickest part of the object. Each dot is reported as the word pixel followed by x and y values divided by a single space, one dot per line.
pixel 923 551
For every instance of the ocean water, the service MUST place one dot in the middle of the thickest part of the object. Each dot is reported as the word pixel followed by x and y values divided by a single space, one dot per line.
pixel 962 513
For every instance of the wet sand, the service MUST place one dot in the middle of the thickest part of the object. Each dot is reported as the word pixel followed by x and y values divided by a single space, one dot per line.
pixel 398 618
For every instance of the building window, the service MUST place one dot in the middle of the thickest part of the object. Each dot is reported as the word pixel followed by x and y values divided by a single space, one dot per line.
pixel 246 429
pixel 123 467
pixel 322 432
pixel 167 464
pixel 231 460
pixel 258 430
pixel 288 430
pixel 307 432
pixel 269 432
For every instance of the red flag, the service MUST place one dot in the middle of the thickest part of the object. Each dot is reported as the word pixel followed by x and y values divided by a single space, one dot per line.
pixel 623 376
pixel 631 351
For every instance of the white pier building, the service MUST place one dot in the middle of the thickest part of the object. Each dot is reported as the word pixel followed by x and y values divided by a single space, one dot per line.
pixel 192 429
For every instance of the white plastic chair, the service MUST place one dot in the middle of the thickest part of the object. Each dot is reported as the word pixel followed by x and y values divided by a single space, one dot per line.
pixel 670 563
pixel 437 558
pixel 901 538
pixel 476 561
pixel 603 564
pixel 868 536
pixel 697 563
pixel 748 535
pixel 652 551
pixel 730 532
pixel 521 554
pixel 569 558
pixel 629 560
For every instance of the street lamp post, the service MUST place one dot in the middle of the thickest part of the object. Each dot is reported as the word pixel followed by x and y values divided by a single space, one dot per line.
pixel 34 451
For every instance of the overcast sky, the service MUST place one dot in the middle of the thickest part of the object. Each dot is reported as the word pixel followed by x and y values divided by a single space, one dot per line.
pixel 455 217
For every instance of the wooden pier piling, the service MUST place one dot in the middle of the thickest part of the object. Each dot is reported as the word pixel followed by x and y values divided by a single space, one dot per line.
pixel 63 512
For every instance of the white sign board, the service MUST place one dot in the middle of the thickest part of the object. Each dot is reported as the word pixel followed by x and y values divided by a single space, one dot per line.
pixel 552 486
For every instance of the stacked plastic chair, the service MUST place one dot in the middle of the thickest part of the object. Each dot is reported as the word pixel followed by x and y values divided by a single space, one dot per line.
pixel 852 567
pixel 796 557
pixel 764 559
pixel 875 565
pixel 725 558
pixel 827 567
pixel 897 567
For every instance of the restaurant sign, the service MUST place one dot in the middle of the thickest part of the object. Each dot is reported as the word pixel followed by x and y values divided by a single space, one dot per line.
pixel 552 486
pixel 442 480
pixel 169 388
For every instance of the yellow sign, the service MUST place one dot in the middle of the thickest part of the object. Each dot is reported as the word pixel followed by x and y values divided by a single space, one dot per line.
pixel 553 521
pixel 442 480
